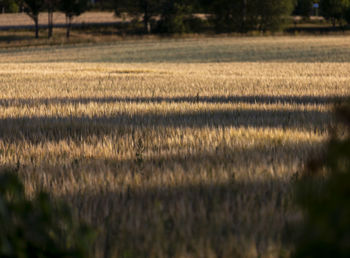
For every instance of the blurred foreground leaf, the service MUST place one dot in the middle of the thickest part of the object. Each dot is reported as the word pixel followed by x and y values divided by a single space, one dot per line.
pixel 38 227
pixel 324 195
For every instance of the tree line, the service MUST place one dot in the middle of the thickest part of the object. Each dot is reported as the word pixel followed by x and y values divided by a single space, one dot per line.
pixel 180 16
pixel 335 11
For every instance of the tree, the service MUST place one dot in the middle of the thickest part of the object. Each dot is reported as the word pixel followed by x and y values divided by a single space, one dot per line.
pixel 174 14
pixel 103 5
pixel 246 15
pixel 347 15
pixel 136 8
pixel 51 5
pixel 72 8
pixel 230 16
pixel 148 9
pixel 335 10
pixel 303 8
pixel 32 9
pixel 273 14
pixel 9 6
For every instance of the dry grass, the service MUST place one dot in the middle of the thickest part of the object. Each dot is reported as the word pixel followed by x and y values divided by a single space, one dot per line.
pixel 171 153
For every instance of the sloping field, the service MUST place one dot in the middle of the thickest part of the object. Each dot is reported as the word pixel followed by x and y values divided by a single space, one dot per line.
pixel 202 50
pixel 173 148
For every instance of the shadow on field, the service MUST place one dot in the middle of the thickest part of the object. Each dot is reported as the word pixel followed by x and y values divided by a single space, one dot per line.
pixel 43 128
pixel 259 99
pixel 223 54
pixel 232 217
pixel 10 38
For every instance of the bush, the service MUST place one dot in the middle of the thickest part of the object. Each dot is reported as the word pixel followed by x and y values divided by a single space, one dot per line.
pixel 323 194
pixel 37 227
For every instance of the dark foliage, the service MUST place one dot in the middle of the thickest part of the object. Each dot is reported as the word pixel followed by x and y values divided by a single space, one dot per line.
pixel 323 194
pixel 33 8
pixel 71 9
pixel 38 227
pixel 179 16
pixel 335 10
pixel 248 15
pixel 303 8
pixel 9 6
pixel 174 15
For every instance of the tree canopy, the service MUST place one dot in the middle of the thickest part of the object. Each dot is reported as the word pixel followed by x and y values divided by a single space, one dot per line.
pixel 72 8
pixel 335 10
pixel 178 16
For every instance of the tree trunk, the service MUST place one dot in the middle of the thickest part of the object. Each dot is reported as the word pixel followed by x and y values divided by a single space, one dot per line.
pixel 50 23
pixel 69 25
pixel 36 21
pixel 146 24
pixel 244 16
pixel 333 22
pixel 146 18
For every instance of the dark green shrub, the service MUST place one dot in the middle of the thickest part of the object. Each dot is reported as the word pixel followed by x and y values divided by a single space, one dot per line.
pixel 324 196
pixel 37 227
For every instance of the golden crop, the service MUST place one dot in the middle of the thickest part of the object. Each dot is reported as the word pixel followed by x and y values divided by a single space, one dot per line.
pixel 179 148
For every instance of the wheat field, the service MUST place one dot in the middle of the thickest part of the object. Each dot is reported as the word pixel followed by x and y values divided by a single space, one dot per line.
pixel 173 148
